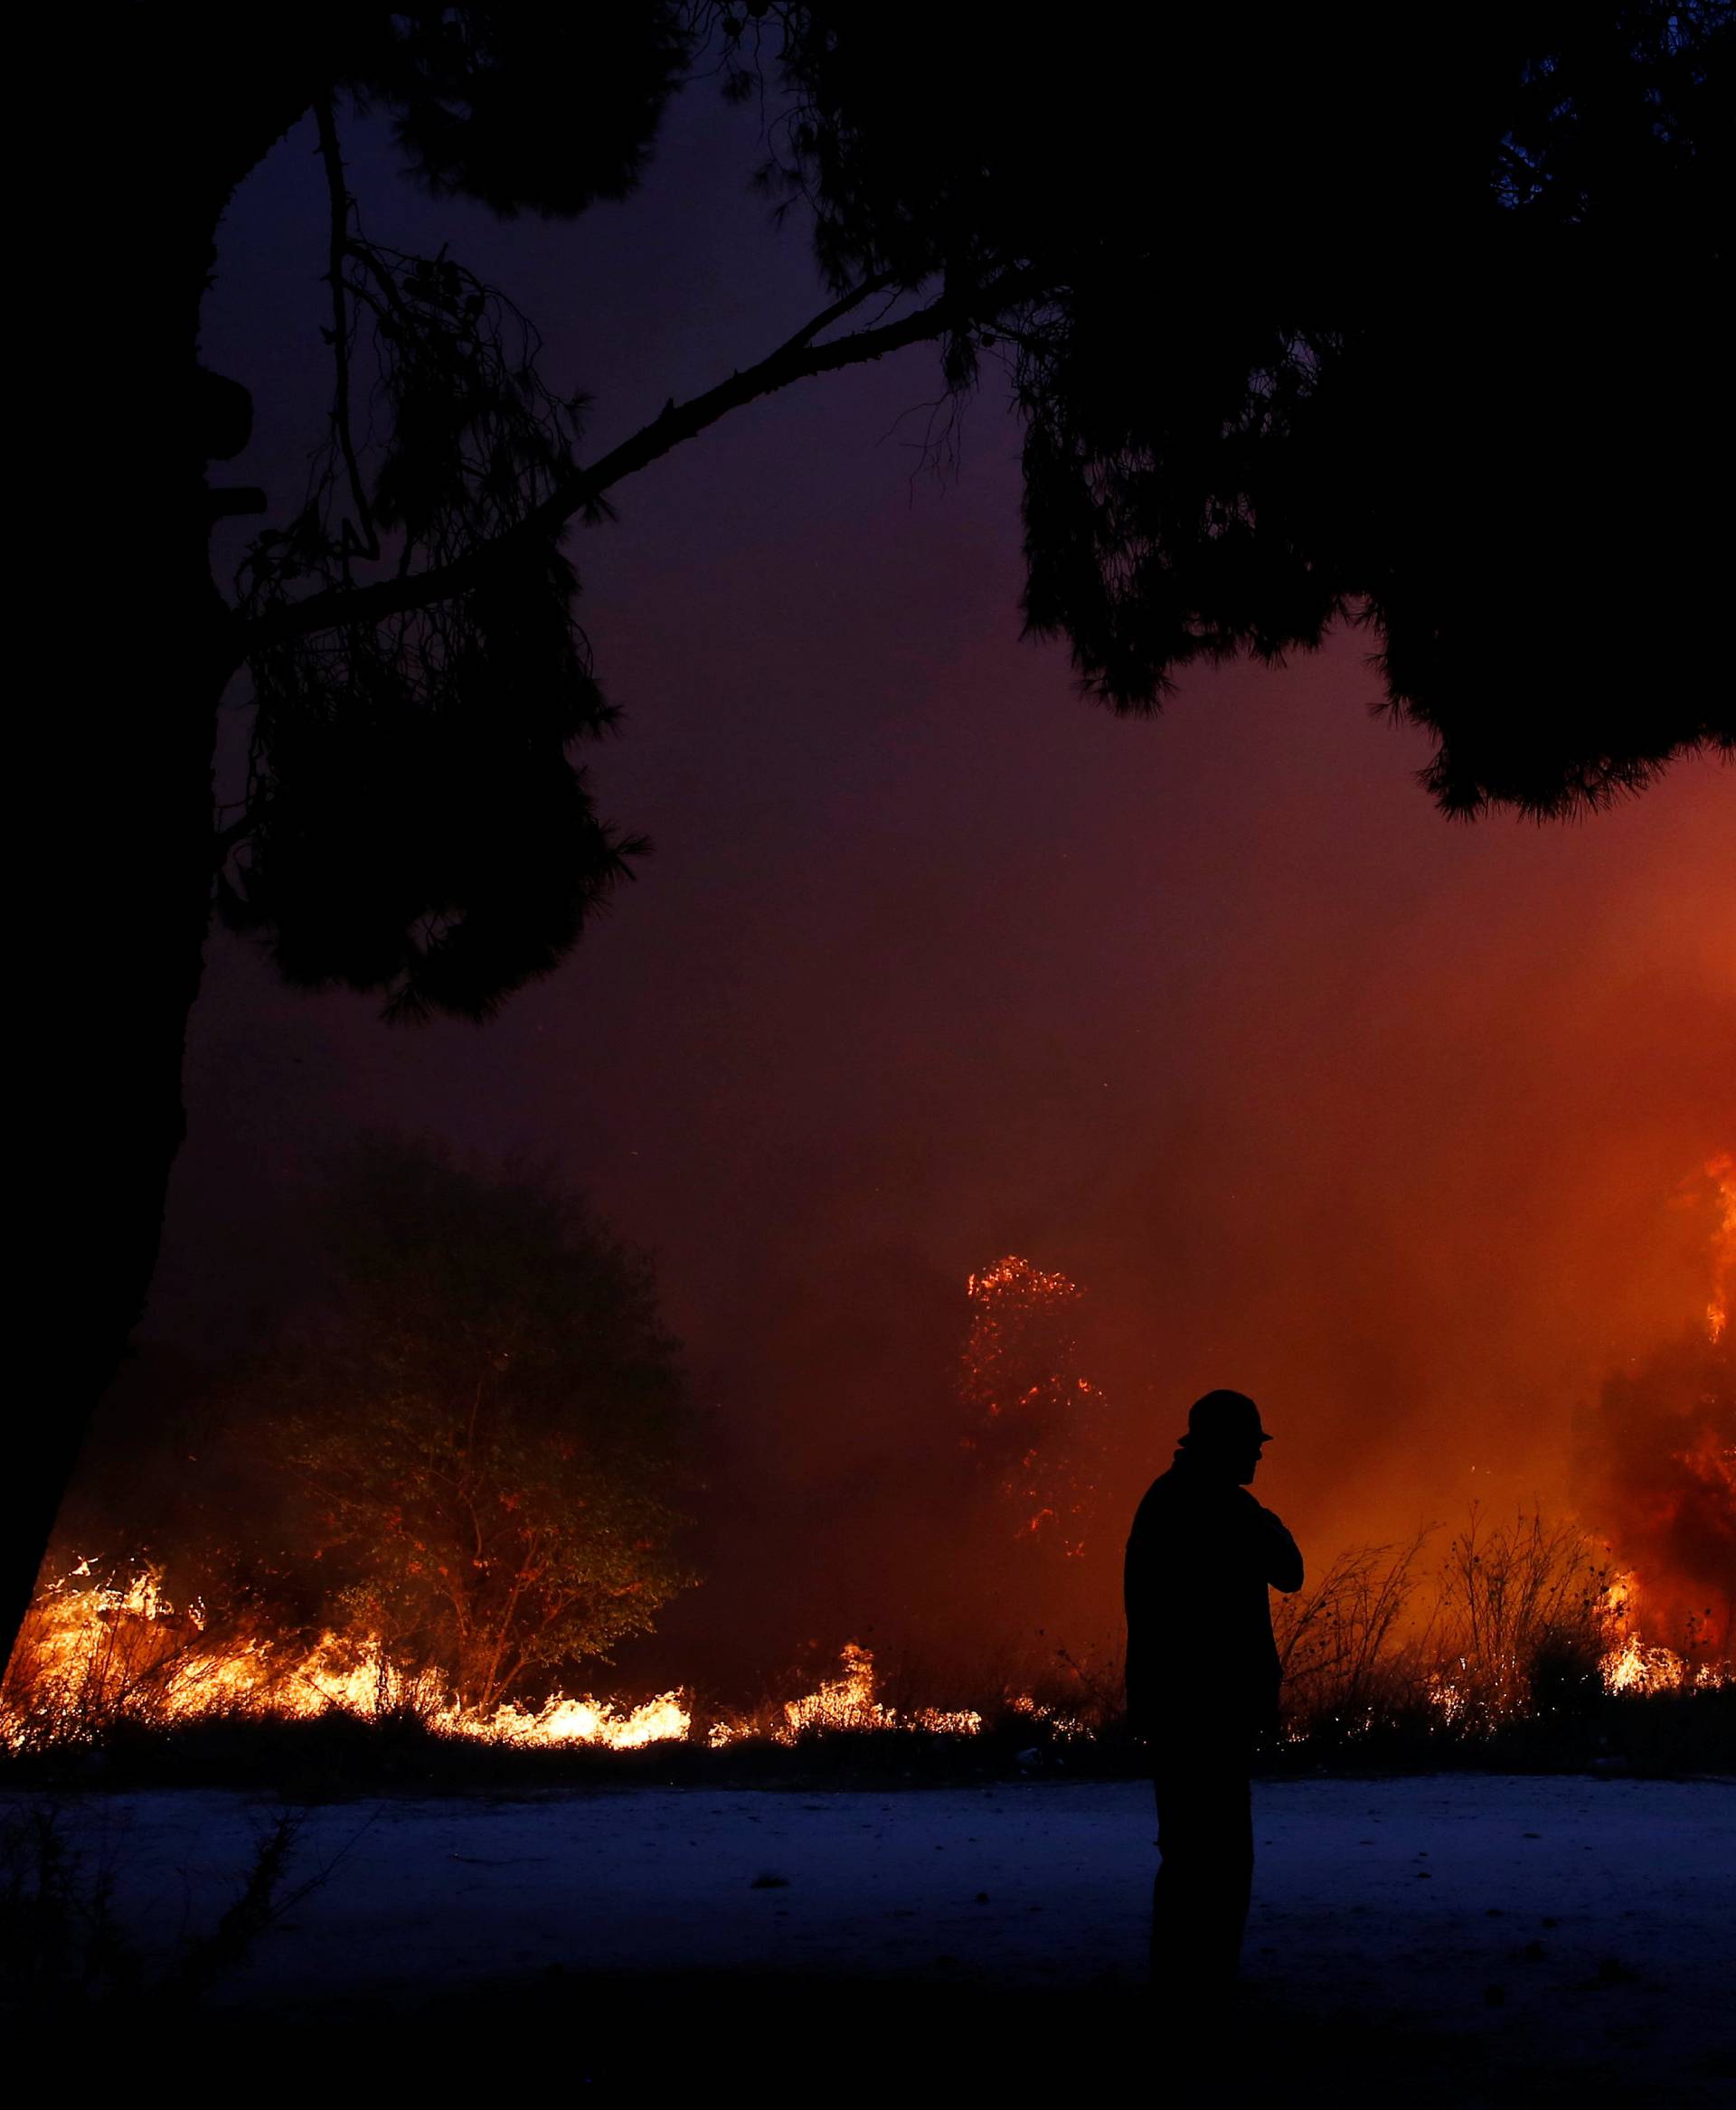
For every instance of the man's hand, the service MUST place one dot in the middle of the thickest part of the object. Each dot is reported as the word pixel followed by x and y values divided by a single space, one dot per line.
pixel 1280 1558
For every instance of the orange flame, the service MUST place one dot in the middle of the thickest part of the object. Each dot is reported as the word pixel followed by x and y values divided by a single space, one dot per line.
pixel 92 1651
pixel 847 1702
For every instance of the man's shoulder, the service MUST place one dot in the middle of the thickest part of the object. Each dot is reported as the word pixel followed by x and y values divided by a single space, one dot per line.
pixel 1162 1490
pixel 1178 1498
pixel 1168 1497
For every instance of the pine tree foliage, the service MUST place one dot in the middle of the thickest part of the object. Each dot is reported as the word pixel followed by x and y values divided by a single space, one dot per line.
pixel 1411 332
pixel 414 820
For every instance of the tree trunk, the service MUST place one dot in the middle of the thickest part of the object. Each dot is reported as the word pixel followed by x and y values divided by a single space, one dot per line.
pixel 147 809
pixel 130 921
pixel 137 650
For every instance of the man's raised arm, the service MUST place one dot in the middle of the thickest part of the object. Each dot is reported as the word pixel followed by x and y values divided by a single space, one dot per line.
pixel 1279 1556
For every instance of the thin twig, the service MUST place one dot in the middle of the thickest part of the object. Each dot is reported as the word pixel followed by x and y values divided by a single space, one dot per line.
pixel 338 193
pixel 582 489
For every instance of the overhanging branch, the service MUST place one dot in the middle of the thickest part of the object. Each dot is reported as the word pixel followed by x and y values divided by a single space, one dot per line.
pixel 798 359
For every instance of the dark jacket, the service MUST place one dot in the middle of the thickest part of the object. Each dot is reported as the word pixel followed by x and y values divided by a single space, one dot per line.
pixel 1202 1662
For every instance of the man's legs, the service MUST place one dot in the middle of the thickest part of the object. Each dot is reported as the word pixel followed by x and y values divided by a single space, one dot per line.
pixel 1199 1897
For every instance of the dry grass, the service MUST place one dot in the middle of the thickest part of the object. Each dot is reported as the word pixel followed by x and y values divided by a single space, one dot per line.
pixel 1350 1653
pixel 1515 1604
pixel 64 1947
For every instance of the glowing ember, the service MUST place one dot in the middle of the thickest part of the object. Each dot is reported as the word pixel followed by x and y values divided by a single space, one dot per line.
pixel 1065 1727
pixel 1032 1414
pixel 1447 1697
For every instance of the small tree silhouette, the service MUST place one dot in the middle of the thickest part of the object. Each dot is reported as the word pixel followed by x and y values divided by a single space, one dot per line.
pixel 484 1423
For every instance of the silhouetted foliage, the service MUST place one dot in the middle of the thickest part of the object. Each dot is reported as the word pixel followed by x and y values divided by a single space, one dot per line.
pixel 1405 326
pixel 528 109
pixel 413 820
pixel 1302 328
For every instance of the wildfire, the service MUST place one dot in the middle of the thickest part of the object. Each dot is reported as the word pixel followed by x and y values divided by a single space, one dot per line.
pixel 1447 1698
pixel 1065 1728
pixel 97 1651
pixel 1631 1664
pixel 847 1702
pixel 1018 1277
pixel 93 1651
pixel 1031 1414
pixel 1634 1668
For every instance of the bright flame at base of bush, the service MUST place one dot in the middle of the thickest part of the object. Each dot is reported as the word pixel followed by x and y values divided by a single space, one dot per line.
pixel 1634 1668
pixel 92 1655
pixel 847 1702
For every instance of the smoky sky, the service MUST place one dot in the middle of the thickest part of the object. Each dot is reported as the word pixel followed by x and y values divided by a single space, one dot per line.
pixel 1376 1116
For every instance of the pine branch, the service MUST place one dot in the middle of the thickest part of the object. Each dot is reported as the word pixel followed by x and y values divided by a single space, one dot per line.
pixel 798 359
pixel 339 199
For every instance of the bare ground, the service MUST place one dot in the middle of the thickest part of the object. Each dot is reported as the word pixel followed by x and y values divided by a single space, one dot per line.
pixel 1446 1939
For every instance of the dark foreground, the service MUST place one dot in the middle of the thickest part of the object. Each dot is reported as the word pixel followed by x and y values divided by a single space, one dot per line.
pixel 1445 1939
pixel 828 2039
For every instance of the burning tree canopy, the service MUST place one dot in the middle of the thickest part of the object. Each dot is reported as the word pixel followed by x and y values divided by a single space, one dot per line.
pixel 1662 1468
pixel 481 1424
pixel 1029 1402
pixel 1658 1461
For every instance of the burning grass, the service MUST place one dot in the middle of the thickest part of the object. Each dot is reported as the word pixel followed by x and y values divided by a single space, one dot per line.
pixel 96 1656
pixel 1515 1649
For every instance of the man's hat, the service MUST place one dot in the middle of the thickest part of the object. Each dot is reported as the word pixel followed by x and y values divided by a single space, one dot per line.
pixel 1226 1416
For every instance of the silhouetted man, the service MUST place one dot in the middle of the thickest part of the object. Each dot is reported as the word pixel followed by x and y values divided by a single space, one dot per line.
pixel 1203 1678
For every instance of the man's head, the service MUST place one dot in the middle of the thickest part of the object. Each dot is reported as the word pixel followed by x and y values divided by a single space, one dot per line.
pixel 1224 1432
